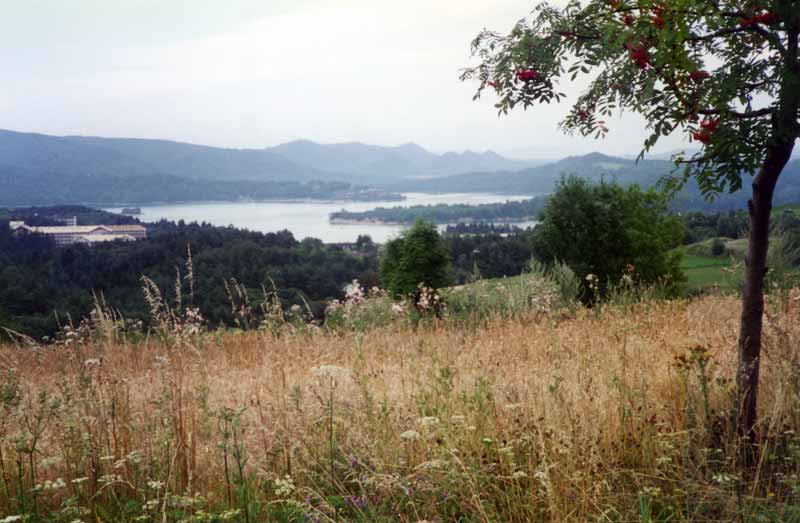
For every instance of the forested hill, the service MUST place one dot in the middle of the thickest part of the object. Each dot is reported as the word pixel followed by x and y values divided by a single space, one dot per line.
pixel 26 187
pixel 596 166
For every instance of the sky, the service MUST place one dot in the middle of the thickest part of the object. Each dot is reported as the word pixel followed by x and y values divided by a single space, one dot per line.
pixel 256 73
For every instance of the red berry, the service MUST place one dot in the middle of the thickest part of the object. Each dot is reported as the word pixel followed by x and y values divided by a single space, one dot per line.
pixel 710 125
pixel 698 75
pixel 746 22
pixel 658 21
pixel 527 75
pixel 639 56
pixel 629 20
pixel 702 136
pixel 767 18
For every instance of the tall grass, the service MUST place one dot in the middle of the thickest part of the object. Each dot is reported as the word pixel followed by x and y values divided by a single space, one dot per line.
pixel 619 414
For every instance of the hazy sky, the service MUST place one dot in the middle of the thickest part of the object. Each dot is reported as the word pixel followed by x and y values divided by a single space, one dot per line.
pixel 254 73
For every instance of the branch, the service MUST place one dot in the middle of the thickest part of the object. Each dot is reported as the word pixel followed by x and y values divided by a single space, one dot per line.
pixel 772 37
pixel 742 116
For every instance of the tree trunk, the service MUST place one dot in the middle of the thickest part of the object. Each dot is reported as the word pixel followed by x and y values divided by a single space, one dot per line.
pixel 760 208
pixel 778 151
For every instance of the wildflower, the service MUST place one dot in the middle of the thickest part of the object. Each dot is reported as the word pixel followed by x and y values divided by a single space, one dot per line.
pixel 155 485
pixel 284 486
pixel 434 464
pixel 331 371
pixel 410 435
pixel 428 421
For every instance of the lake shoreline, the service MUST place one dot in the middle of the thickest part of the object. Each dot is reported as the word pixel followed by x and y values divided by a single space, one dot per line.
pixel 466 221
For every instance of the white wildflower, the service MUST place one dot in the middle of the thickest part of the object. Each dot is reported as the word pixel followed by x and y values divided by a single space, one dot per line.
pixel 284 486
pixel 410 435
pixel 331 371
pixel 428 421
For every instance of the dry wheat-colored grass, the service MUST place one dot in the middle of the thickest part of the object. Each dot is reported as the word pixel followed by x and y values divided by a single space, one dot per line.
pixel 618 416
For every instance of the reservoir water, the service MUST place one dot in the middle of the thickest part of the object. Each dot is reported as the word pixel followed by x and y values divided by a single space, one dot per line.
pixel 307 218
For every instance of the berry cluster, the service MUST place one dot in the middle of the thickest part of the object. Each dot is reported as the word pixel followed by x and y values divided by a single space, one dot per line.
pixel 640 56
pixel 658 17
pixel 698 75
pixel 707 129
pixel 527 75
pixel 767 18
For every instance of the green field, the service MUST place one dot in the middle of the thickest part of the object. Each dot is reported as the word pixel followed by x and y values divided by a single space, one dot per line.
pixel 706 273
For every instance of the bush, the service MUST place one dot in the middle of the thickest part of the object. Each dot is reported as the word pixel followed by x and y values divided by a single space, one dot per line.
pixel 717 247
pixel 418 257
pixel 612 233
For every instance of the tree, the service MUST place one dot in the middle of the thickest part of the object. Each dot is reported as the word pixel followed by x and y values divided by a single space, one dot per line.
pixel 418 256
pixel 723 73
pixel 611 232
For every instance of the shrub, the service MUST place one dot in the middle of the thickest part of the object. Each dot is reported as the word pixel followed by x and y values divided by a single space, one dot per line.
pixel 717 247
pixel 605 232
pixel 419 256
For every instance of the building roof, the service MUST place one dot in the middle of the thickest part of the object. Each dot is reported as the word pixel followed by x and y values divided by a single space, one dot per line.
pixel 131 227
pixel 78 229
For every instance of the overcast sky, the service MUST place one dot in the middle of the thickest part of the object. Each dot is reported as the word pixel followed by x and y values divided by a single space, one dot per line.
pixel 255 73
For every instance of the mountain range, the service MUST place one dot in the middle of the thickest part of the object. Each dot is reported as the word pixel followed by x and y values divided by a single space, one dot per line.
pixel 38 169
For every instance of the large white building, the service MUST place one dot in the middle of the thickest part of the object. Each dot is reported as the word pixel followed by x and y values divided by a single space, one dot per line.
pixel 85 234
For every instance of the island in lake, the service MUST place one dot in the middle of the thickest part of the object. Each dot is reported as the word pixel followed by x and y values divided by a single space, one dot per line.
pixel 505 212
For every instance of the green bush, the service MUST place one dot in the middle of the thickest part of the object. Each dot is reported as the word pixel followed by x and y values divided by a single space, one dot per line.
pixel 606 234
pixel 418 257
pixel 717 247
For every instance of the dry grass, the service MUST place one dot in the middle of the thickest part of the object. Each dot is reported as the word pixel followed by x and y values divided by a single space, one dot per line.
pixel 622 416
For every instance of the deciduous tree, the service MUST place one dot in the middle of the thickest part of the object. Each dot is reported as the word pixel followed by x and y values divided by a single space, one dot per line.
pixel 724 74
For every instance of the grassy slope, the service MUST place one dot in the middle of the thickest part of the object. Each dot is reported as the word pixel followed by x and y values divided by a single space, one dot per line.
pixel 559 417
pixel 706 272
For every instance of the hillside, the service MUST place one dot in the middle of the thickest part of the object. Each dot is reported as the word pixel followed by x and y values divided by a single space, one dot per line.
pixel 299 161
pixel 23 187
pixel 570 416
pixel 596 166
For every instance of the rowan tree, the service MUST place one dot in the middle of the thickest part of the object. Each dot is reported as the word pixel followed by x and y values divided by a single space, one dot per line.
pixel 724 74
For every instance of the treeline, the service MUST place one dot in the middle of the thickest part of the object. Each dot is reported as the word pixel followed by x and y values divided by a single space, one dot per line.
pixel 735 224
pixel 42 287
pixel 448 213
pixel 38 281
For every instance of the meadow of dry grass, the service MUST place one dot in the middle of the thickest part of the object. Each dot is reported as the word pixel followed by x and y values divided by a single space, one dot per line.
pixel 618 415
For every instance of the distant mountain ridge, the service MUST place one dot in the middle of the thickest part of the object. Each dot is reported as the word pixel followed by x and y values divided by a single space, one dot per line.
pixel 298 161
pixel 42 169
pixel 597 166
pixel 386 163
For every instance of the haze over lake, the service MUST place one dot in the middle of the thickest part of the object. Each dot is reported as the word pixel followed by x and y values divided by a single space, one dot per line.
pixel 307 218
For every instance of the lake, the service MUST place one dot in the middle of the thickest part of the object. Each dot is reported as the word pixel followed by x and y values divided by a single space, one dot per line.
pixel 307 218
